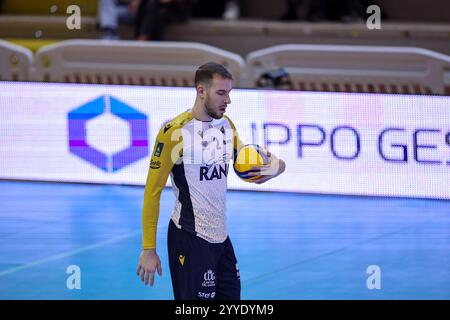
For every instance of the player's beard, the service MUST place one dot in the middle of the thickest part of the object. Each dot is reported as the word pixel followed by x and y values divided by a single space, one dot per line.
pixel 210 111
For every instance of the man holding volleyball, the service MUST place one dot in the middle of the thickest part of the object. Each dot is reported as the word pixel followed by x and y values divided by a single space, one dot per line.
pixel 195 149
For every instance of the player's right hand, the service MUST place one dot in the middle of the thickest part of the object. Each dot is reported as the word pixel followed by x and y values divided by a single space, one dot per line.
pixel 148 263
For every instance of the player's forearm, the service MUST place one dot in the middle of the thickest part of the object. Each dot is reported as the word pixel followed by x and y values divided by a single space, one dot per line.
pixel 150 215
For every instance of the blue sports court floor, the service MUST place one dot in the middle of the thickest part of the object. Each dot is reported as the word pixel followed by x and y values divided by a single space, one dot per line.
pixel 289 246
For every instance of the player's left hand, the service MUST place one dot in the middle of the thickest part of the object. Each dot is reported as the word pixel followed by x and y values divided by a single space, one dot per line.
pixel 274 168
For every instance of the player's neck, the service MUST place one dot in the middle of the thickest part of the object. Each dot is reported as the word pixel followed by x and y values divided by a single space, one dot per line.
pixel 199 113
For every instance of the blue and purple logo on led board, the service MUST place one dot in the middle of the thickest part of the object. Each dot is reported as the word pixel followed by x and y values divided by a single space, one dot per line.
pixel 136 146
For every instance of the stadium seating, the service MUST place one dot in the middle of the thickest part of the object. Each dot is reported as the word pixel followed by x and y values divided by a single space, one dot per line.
pixel 32 44
pixel 15 62
pixel 355 68
pixel 372 69
pixel 130 62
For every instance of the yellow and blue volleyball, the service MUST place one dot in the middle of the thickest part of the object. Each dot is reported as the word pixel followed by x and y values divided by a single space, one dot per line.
pixel 248 156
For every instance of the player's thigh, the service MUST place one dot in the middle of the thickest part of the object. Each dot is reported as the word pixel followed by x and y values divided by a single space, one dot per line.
pixel 228 277
pixel 192 265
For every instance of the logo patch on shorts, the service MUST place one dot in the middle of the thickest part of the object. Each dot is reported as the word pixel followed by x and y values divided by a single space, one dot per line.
pixel 181 258
pixel 209 278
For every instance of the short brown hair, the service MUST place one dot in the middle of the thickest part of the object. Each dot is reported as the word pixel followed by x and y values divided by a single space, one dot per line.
pixel 206 72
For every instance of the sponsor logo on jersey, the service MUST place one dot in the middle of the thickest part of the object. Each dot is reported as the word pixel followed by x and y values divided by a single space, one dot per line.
pixel 208 173
pixel 184 121
pixel 167 127
pixel 159 149
pixel 155 164
pixel 205 143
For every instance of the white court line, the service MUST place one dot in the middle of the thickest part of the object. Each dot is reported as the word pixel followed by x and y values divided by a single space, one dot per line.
pixel 71 253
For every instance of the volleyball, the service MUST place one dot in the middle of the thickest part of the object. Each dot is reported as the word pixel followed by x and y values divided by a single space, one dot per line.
pixel 248 156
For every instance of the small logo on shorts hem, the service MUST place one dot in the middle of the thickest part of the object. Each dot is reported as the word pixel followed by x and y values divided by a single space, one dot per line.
pixel 209 278
pixel 181 258
pixel 206 295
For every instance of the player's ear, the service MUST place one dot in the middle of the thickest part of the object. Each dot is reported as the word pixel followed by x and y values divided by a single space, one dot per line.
pixel 201 91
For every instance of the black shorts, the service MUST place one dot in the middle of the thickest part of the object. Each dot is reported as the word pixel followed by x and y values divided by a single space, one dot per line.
pixel 202 270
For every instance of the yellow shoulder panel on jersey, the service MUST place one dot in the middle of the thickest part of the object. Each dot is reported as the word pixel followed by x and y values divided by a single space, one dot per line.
pixel 237 143
pixel 166 152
